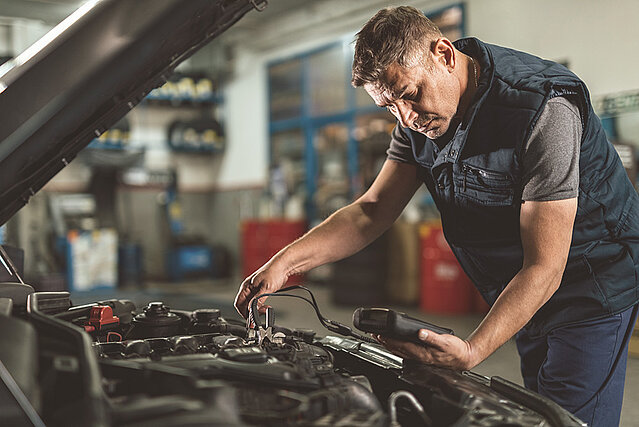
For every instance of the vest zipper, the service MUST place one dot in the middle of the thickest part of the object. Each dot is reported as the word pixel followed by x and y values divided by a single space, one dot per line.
pixel 481 174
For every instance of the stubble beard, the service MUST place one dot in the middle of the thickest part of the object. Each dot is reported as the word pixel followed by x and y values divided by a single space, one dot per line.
pixel 442 127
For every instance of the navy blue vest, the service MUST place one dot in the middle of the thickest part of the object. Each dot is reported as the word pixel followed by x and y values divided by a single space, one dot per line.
pixel 476 183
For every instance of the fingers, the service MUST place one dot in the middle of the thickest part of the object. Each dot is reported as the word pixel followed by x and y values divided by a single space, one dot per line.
pixel 248 289
pixel 432 339
pixel 256 284
pixel 399 351
pixel 240 302
pixel 409 350
pixel 262 308
pixel 401 348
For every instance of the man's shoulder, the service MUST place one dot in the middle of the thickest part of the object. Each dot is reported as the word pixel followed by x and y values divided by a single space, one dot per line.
pixel 524 70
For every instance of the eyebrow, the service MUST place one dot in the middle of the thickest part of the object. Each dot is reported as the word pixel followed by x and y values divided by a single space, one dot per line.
pixel 395 94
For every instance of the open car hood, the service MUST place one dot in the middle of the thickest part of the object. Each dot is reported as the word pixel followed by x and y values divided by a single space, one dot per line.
pixel 86 74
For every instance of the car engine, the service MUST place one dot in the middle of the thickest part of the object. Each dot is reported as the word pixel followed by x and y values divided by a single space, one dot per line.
pixel 110 363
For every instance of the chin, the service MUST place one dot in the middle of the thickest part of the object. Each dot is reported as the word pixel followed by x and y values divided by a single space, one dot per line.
pixel 433 134
pixel 439 129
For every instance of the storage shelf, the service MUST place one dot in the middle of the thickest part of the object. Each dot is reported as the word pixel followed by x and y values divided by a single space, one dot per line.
pixel 211 101
pixel 196 150
pixel 112 146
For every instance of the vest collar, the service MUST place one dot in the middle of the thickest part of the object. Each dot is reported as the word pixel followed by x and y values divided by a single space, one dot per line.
pixel 451 152
pixel 475 48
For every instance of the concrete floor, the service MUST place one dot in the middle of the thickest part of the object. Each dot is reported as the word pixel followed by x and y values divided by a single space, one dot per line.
pixel 291 313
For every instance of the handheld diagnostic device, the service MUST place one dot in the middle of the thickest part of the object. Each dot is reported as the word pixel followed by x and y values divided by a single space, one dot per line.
pixel 393 324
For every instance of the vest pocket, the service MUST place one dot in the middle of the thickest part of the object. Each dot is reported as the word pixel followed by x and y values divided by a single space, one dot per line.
pixel 484 187
pixel 612 268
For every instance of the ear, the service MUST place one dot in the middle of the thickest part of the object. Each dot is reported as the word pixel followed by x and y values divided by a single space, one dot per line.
pixel 444 53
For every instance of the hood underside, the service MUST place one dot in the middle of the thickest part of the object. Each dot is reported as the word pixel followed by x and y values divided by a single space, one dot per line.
pixel 86 74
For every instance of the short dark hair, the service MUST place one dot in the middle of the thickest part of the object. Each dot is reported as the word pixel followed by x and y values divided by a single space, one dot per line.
pixel 399 35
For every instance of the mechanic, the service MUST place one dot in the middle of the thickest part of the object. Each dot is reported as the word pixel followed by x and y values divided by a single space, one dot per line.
pixel 534 201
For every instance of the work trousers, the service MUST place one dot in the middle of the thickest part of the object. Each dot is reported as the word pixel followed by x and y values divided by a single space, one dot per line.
pixel 582 367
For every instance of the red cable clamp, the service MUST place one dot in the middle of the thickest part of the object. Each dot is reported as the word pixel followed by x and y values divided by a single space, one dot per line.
pixel 101 317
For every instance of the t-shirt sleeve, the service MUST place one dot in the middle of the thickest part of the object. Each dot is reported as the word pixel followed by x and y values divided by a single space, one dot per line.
pixel 400 149
pixel 551 156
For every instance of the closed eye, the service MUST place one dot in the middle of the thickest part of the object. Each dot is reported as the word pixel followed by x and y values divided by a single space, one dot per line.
pixel 411 96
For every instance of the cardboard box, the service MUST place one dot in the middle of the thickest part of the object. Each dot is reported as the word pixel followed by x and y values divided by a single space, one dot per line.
pixel 402 285
pixel 633 346
pixel 92 259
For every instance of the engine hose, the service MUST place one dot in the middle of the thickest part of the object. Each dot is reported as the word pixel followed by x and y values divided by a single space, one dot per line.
pixel 392 405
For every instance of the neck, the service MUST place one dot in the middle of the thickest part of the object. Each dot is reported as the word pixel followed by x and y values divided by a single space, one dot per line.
pixel 469 80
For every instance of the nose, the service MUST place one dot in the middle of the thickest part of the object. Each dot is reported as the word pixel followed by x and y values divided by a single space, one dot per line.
pixel 405 114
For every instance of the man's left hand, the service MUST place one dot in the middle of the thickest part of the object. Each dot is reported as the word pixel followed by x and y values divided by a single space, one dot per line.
pixel 441 350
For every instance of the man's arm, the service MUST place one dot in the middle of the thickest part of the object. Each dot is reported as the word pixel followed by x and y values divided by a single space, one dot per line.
pixel 546 234
pixel 342 234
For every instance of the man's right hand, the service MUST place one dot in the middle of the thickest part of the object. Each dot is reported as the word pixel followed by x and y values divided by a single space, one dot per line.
pixel 269 278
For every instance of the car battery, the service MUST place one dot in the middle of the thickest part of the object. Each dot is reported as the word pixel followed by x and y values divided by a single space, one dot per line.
pixel 445 288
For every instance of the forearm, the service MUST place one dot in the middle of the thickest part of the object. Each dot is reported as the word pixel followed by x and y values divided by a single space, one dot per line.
pixel 519 301
pixel 353 227
pixel 342 234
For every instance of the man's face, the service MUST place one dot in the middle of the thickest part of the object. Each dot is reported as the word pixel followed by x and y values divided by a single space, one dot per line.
pixel 423 98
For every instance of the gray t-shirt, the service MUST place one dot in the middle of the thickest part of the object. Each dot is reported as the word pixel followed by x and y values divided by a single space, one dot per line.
pixel 551 154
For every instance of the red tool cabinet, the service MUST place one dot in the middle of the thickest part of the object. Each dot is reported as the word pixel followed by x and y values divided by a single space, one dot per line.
pixel 263 239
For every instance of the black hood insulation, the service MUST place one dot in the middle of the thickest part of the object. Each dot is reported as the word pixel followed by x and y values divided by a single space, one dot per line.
pixel 86 74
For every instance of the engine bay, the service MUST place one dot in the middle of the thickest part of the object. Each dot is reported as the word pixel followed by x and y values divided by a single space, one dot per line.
pixel 113 364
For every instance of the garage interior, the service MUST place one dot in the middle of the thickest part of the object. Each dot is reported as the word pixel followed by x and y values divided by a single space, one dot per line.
pixel 260 136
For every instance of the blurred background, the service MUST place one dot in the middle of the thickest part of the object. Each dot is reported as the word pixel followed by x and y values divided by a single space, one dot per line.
pixel 260 136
